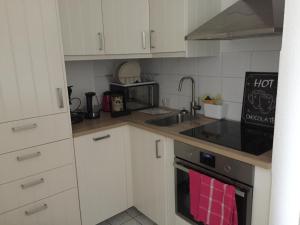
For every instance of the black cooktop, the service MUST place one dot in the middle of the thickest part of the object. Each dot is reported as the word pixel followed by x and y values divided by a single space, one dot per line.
pixel 250 139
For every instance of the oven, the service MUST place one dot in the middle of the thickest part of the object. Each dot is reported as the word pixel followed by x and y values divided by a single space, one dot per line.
pixel 224 169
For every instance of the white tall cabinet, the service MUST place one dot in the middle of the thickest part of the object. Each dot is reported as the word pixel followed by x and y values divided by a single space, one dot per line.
pixel 126 24
pixel 37 179
pixel 32 80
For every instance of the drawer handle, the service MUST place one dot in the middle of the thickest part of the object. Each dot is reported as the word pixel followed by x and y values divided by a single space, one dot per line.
pixel 101 138
pixel 156 149
pixel 28 156
pixel 36 210
pixel 32 183
pixel 60 98
pixel 25 127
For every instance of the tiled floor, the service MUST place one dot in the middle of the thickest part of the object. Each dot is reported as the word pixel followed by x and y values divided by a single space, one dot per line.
pixel 130 217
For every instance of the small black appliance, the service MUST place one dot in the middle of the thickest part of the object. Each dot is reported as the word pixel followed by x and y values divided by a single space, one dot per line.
pixel 76 115
pixel 92 106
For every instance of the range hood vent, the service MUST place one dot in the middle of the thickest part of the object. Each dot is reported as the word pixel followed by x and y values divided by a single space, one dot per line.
pixel 244 19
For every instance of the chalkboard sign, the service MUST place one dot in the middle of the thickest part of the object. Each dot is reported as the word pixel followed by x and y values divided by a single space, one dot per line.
pixel 260 99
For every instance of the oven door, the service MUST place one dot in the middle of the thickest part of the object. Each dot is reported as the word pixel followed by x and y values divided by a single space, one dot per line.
pixel 243 192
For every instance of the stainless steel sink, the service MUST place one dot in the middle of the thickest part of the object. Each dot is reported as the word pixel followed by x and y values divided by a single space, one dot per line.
pixel 169 120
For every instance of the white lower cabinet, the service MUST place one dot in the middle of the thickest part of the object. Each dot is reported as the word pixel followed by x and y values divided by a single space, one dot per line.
pixel 34 188
pixel 261 196
pixel 153 175
pixel 61 209
pixel 101 170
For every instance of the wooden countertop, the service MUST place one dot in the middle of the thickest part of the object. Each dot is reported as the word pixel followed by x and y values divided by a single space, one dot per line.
pixel 138 119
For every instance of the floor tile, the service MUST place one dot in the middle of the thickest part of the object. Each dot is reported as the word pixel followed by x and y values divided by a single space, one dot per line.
pixel 144 220
pixel 103 223
pixel 131 222
pixel 133 212
pixel 119 219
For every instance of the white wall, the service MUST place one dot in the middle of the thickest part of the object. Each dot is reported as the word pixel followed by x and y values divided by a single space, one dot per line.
pixel 216 75
pixel 88 76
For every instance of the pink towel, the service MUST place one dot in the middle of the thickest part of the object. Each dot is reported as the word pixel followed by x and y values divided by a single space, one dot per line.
pixel 212 202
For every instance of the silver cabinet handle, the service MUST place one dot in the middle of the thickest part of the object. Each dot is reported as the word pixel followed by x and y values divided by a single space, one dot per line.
pixel 144 40
pixel 101 138
pixel 156 149
pixel 60 98
pixel 28 156
pixel 24 127
pixel 32 183
pixel 36 210
pixel 100 41
pixel 151 39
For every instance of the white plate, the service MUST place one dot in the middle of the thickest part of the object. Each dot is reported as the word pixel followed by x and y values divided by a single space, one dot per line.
pixel 129 72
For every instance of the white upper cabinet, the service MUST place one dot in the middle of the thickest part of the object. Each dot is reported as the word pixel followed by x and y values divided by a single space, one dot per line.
pixel 32 76
pixel 107 29
pixel 82 27
pixel 167 25
pixel 126 26
pixel 172 20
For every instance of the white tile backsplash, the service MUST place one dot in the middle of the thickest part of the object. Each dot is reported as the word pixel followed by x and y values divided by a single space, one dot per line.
pixel 88 76
pixel 233 110
pixel 265 61
pixel 233 89
pixel 236 63
pixel 210 66
pixel 223 74
pixel 210 86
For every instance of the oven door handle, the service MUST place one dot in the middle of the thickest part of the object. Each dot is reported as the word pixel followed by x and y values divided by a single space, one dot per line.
pixel 238 192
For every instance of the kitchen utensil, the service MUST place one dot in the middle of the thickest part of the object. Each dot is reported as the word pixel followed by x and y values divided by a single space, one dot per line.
pixel 128 73
pixel 76 114
pixel 92 106
pixel 106 101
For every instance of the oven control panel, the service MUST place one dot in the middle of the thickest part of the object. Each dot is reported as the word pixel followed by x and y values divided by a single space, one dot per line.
pixel 208 159
pixel 215 162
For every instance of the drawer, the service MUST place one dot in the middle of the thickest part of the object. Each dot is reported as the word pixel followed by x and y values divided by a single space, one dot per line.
pixel 61 209
pixel 34 188
pixel 27 162
pixel 31 132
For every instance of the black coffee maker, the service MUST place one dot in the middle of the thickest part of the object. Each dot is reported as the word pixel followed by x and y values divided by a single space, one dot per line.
pixel 76 114
pixel 92 106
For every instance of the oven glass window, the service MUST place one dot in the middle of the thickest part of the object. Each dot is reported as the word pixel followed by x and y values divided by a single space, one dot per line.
pixel 183 200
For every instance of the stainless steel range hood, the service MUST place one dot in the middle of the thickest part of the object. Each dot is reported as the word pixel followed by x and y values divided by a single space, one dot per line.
pixel 244 19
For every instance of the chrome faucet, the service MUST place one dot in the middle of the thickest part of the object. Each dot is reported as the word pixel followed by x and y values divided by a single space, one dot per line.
pixel 194 106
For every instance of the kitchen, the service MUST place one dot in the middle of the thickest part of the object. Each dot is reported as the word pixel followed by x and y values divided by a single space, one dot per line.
pixel 130 169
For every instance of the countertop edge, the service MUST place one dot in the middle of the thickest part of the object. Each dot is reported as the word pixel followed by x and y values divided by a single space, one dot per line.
pixel 228 152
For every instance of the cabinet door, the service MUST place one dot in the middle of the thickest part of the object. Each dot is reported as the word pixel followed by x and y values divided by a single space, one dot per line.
pixel 101 170
pixel 82 28
pixel 32 80
pixel 148 160
pixel 126 25
pixel 167 25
